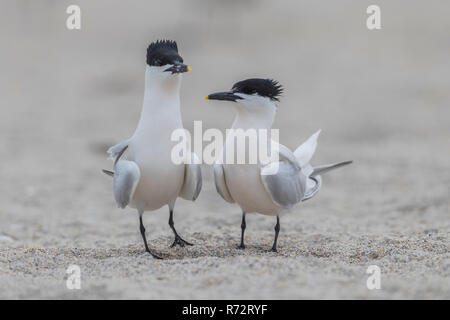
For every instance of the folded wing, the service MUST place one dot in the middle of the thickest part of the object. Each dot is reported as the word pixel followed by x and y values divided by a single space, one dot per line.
pixel 126 175
pixel 221 183
pixel 192 184
pixel 284 180
pixel 126 179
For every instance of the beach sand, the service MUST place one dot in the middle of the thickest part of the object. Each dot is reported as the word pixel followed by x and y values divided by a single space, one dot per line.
pixel 380 97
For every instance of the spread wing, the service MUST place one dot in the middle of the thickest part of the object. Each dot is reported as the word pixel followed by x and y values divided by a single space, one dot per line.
pixel 221 184
pixel 284 180
pixel 192 179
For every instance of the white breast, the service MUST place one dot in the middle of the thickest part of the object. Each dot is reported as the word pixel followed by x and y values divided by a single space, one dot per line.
pixel 161 179
pixel 151 146
pixel 246 188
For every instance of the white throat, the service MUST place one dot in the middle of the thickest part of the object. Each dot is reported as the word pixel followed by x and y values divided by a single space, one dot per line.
pixel 161 96
pixel 256 113
pixel 161 106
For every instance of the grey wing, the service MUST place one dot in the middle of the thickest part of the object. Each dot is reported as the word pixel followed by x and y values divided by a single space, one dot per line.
pixel 284 180
pixel 221 184
pixel 287 187
pixel 126 179
pixel 192 184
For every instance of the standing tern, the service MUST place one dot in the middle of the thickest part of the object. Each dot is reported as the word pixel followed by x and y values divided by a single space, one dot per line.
pixel 254 187
pixel 147 178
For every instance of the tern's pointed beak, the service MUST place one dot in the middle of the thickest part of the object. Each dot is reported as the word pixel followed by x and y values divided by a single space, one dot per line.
pixel 226 96
pixel 178 67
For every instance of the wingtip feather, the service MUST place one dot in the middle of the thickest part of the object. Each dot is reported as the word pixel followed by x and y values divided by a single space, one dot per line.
pixel 107 172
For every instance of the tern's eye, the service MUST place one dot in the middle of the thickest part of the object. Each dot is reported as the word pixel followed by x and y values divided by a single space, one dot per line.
pixel 157 63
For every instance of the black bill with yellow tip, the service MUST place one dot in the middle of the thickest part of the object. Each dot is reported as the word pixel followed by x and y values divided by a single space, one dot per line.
pixel 226 96
pixel 178 67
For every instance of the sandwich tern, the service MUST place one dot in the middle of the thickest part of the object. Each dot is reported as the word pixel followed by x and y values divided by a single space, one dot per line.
pixel 144 176
pixel 258 188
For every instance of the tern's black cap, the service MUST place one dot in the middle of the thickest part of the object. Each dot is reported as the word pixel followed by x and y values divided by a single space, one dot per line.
pixel 264 87
pixel 162 52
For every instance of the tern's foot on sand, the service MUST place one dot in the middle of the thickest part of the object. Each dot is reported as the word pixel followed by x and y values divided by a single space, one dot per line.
pixel 241 246
pixel 180 241
pixel 273 250
pixel 154 255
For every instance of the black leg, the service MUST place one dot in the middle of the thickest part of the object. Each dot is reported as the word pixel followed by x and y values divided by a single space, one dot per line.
pixel 243 226
pixel 145 239
pixel 277 230
pixel 178 240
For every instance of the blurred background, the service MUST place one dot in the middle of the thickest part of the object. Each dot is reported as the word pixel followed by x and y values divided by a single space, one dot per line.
pixel 380 97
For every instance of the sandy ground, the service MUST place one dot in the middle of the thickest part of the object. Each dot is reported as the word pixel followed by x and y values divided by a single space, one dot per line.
pixel 381 98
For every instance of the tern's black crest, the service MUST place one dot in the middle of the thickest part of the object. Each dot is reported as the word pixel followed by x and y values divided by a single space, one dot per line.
pixel 162 52
pixel 263 87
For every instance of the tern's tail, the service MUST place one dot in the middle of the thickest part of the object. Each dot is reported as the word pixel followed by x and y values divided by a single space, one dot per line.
pixel 304 153
pixel 328 167
pixel 315 180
